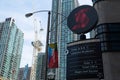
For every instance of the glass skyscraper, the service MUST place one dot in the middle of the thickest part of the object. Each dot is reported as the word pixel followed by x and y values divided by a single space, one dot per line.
pixel 11 44
pixel 61 10
pixel 25 72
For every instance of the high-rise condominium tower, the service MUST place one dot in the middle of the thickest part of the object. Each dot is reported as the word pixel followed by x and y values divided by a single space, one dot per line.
pixel 11 44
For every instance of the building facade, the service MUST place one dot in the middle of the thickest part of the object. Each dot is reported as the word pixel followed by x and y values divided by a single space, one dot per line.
pixel 24 73
pixel 108 31
pixel 40 66
pixel 11 44
pixel 62 34
pixel 20 74
pixel 66 36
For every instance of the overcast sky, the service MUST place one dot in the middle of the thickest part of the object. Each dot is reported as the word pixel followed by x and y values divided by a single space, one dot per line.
pixel 17 10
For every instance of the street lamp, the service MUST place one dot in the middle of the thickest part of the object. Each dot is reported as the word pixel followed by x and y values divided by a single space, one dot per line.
pixel 47 37
pixel 30 14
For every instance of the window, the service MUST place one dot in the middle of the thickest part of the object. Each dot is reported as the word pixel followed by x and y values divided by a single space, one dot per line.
pixel 108 34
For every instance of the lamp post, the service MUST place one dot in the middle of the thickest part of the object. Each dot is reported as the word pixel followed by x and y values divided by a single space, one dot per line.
pixel 30 14
pixel 47 38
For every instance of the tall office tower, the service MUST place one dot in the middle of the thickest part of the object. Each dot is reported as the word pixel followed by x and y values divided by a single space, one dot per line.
pixel 108 31
pixel 11 44
pixel 64 35
pixel 55 23
pixel 40 66
pixel 25 72
pixel 55 20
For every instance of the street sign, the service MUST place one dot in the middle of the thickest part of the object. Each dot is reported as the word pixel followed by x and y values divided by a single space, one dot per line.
pixel 82 19
pixel 84 60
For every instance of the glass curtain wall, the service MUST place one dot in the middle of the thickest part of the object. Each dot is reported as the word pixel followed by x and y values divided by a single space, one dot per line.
pixel 65 36
pixel 60 33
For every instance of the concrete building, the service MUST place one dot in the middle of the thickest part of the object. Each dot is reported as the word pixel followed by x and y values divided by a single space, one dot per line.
pixel 11 44
pixel 108 31
pixel 20 74
pixel 60 33
pixel 24 73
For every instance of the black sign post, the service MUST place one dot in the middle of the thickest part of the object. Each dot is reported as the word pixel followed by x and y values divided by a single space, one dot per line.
pixel 84 60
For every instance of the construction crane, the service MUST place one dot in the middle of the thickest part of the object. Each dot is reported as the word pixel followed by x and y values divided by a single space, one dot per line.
pixel 37 46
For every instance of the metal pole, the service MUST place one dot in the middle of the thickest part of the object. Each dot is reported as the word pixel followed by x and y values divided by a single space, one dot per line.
pixel 47 43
